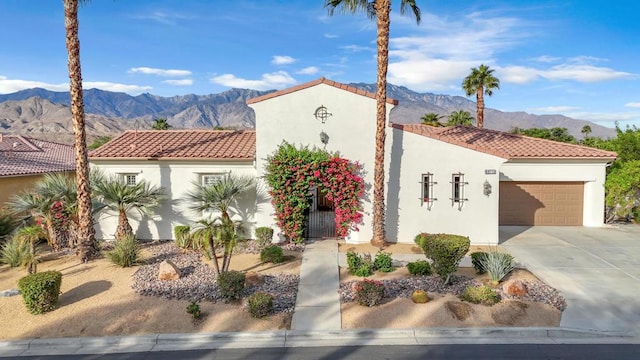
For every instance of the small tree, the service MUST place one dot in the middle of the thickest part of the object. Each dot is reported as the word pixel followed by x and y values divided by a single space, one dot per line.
pixel 586 130
pixel 30 235
pixel 431 119
pixel 460 117
pixel 161 124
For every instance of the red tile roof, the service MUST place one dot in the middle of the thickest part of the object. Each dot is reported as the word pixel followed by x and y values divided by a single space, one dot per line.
pixel 321 80
pixel 180 144
pixel 20 155
pixel 505 145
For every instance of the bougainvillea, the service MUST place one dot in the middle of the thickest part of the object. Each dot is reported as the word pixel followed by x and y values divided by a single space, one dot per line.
pixel 291 172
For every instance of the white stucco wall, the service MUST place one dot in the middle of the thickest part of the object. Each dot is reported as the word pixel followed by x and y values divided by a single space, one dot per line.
pixel 592 173
pixel 411 156
pixel 351 130
pixel 177 177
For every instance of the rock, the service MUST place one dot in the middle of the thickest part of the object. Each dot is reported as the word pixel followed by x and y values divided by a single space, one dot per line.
pixel 420 297
pixel 9 293
pixel 509 313
pixel 252 278
pixel 458 310
pixel 168 271
pixel 515 288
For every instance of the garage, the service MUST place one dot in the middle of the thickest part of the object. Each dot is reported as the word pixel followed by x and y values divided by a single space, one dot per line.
pixel 541 203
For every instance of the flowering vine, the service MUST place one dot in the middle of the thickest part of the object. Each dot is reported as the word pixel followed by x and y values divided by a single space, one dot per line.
pixel 291 172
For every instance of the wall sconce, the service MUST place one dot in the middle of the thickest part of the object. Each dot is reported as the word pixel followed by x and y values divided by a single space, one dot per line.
pixel 324 138
pixel 487 188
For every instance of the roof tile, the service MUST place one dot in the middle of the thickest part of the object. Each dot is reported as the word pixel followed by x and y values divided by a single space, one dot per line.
pixel 20 155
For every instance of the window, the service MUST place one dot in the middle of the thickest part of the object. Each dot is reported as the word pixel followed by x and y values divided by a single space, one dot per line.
pixel 457 189
pixel 210 179
pixel 426 196
pixel 130 179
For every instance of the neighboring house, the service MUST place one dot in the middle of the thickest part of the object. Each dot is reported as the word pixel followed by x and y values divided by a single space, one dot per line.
pixel 24 161
pixel 460 180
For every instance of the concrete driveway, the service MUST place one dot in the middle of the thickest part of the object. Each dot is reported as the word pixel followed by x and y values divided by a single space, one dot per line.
pixel 596 269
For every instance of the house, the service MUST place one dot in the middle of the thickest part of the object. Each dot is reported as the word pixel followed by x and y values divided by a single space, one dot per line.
pixel 460 180
pixel 24 161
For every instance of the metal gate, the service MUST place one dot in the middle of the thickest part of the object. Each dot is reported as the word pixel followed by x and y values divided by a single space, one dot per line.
pixel 320 224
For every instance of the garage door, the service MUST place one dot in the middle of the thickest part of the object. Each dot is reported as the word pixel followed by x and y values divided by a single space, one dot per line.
pixel 541 203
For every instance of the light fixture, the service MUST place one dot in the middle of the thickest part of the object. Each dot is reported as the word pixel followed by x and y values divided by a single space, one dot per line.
pixel 487 188
pixel 324 138
pixel 321 113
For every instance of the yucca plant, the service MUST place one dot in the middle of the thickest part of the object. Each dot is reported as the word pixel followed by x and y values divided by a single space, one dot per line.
pixel 183 236
pixel 125 252
pixel 15 252
pixel 497 265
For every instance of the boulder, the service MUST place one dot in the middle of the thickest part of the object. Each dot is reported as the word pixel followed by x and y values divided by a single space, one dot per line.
pixel 252 278
pixel 168 271
pixel 515 288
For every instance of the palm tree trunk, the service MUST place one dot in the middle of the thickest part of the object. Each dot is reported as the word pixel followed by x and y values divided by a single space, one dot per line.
pixel 480 106
pixel 214 258
pixel 52 234
pixel 86 233
pixel 124 228
pixel 32 268
pixel 383 8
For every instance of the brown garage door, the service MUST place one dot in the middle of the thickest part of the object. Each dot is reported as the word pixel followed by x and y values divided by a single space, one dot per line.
pixel 541 203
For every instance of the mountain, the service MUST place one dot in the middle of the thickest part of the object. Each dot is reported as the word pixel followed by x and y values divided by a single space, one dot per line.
pixel 38 110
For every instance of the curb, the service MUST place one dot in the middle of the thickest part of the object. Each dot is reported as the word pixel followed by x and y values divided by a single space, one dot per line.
pixel 297 338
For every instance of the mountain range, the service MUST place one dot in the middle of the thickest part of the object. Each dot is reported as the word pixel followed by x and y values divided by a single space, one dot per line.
pixel 42 113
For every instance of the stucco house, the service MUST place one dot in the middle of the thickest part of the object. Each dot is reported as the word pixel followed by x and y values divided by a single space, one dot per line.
pixel 460 180
pixel 24 161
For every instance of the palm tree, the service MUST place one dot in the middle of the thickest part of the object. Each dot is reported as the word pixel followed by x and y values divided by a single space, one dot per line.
pixel 161 124
pixel 117 195
pixel 221 196
pixel 481 81
pixel 37 206
pixel 30 235
pixel 586 130
pixel 86 232
pixel 380 10
pixel 460 117
pixel 62 188
pixel 431 119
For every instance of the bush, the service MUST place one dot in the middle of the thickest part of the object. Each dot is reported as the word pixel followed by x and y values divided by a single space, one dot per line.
pixel 272 254
pixel 194 309
pixel 480 295
pixel 182 234
pixel 260 304
pixel 383 262
pixel 359 265
pixel 420 267
pixel 40 291
pixel 445 252
pixel 497 264
pixel 7 224
pixel 369 292
pixel 125 252
pixel 264 236
pixel 231 284
pixel 15 252
pixel 477 264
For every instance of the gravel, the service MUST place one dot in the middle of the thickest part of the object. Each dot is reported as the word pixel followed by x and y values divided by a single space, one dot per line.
pixel 198 281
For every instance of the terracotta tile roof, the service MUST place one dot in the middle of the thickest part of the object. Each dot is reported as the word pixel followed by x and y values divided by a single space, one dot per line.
pixel 20 155
pixel 505 145
pixel 321 80
pixel 180 144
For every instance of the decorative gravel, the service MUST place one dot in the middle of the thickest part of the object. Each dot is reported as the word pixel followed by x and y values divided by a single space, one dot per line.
pixel 541 292
pixel 198 281
pixel 252 247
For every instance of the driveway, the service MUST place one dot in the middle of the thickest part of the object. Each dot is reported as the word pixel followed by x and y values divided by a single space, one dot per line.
pixel 596 269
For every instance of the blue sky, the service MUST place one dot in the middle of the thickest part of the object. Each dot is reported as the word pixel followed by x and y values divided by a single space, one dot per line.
pixel 579 58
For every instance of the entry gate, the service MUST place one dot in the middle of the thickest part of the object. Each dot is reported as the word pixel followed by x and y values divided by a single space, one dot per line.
pixel 320 224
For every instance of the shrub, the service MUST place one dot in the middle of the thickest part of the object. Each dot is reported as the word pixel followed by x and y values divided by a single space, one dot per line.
pixel 40 291
pixel 264 236
pixel 125 252
pixel 7 223
pixel 260 304
pixel 231 284
pixel 420 267
pixel 383 262
pixel 272 254
pixel 445 252
pixel 369 292
pixel 480 295
pixel 194 309
pixel 497 264
pixel 475 261
pixel 182 234
pixel 15 252
pixel 359 265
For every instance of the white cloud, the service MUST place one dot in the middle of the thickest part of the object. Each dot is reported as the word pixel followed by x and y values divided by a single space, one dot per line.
pixel 116 87
pixel 282 60
pixel 553 109
pixel 630 116
pixel 310 70
pixel 160 72
pixel 8 86
pixel 179 82
pixel 517 74
pixel 583 73
pixel 278 79
pixel 546 59
pixel 633 104
pixel 330 36
pixel 163 17
pixel 426 74
pixel 357 48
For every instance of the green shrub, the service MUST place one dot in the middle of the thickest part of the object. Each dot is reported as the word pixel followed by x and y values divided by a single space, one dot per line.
pixel 383 262
pixel 182 234
pixel 7 224
pixel 359 265
pixel 497 264
pixel 260 304
pixel 420 267
pixel 480 295
pixel 231 284
pixel 272 254
pixel 40 291
pixel 264 236
pixel 125 252
pixel 369 292
pixel 477 264
pixel 445 252
pixel 194 309
pixel 15 252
